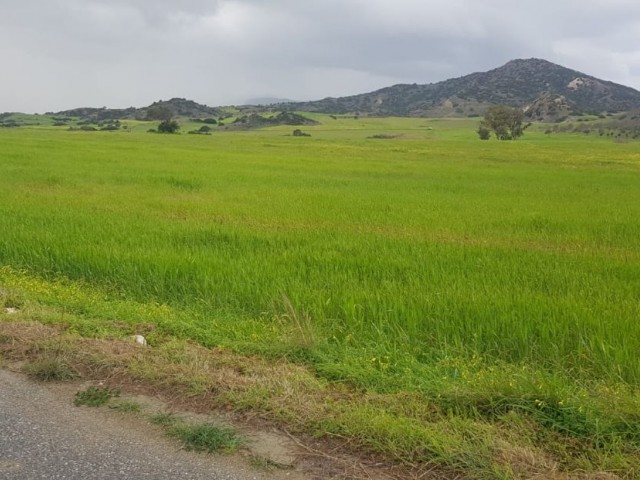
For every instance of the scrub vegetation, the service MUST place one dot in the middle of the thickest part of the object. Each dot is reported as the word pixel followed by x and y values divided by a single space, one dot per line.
pixel 481 297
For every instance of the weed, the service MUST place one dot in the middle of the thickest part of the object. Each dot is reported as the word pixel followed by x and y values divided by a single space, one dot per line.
pixel 126 406
pixel 302 335
pixel 206 437
pixel 95 396
pixel 11 299
pixel 50 370
pixel 164 419
pixel 264 464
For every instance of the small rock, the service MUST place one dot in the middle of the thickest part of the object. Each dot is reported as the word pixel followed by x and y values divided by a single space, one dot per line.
pixel 140 340
pixel 11 310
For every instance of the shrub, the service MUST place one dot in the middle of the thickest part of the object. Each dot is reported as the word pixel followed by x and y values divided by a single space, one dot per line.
pixel 484 132
pixel 204 130
pixel 168 126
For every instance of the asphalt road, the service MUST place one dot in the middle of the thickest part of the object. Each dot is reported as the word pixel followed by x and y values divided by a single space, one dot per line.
pixel 44 436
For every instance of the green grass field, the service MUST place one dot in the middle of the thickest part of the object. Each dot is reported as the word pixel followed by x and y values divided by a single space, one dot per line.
pixel 488 277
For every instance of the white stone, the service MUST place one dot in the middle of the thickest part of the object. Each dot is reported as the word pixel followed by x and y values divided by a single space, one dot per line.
pixel 11 310
pixel 140 340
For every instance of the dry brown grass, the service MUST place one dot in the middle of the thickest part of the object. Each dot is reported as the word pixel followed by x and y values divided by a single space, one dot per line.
pixel 189 377
pixel 263 392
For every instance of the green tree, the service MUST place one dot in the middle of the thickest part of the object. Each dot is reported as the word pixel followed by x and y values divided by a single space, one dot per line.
pixel 507 123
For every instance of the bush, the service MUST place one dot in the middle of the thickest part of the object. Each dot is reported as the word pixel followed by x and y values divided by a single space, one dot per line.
pixel 382 136
pixel 168 126
pixel 204 130
pixel 484 132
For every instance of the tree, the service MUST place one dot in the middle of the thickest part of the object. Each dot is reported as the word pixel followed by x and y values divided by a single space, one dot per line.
pixel 168 126
pixel 505 122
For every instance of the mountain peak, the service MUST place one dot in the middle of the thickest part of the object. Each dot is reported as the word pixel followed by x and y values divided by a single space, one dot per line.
pixel 537 62
pixel 518 83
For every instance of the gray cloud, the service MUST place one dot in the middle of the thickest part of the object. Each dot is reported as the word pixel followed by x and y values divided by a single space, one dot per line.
pixel 66 53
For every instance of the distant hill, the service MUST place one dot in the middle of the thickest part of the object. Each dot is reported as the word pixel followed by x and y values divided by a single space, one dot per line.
pixel 545 90
pixel 255 120
pixel 240 118
pixel 186 108
pixel 178 106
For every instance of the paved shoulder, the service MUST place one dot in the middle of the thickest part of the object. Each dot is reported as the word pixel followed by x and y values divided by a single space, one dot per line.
pixel 45 437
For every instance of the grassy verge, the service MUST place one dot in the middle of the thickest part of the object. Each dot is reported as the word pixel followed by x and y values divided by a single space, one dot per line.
pixel 503 424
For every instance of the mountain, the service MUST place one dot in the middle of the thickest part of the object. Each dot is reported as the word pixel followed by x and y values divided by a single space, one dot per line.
pixel 545 90
pixel 177 106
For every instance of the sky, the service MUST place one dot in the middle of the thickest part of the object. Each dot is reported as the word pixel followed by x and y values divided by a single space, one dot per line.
pixel 62 54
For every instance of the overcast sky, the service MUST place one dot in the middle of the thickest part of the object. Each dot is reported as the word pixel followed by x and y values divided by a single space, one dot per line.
pixel 59 54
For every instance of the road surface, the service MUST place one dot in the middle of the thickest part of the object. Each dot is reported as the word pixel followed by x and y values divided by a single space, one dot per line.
pixel 44 436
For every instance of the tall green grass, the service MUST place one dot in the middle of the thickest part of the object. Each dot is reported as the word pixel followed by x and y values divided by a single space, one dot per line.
pixel 429 245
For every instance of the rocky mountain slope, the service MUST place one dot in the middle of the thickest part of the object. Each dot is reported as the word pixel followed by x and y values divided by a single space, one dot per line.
pixel 545 90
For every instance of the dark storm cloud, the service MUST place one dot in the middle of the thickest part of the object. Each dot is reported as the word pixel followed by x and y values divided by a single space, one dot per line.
pixel 63 53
